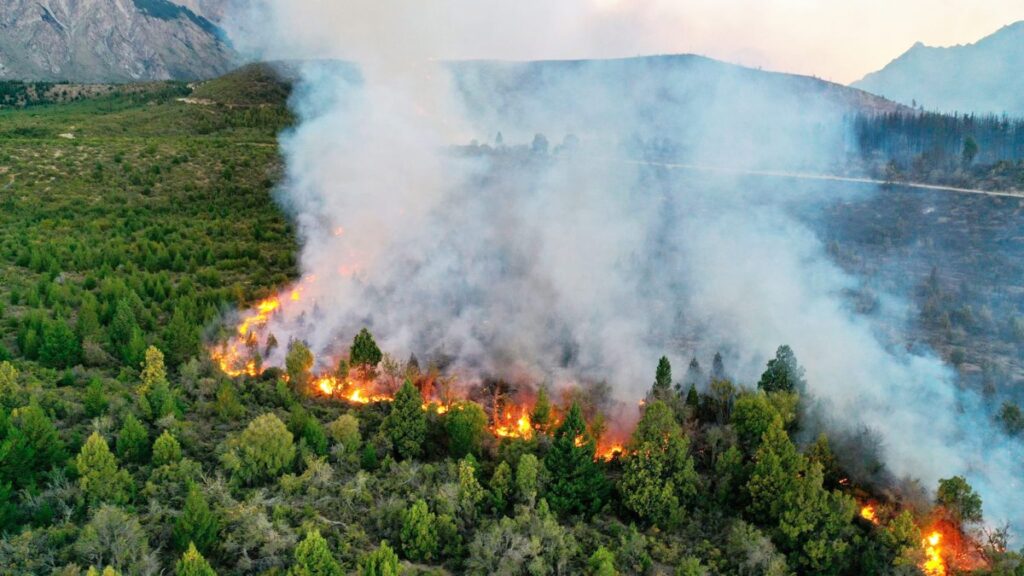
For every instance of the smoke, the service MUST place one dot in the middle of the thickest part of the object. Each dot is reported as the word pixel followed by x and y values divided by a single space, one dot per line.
pixel 581 261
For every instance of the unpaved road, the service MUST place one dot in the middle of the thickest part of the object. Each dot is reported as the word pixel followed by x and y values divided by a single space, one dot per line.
pixel 825 177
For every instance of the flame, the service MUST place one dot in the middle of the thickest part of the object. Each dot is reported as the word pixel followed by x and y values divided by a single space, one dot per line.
pixel 326 385
pixel 606 453
pixel 521 427
pixel 229 359
pixel 934 565
pixel 263 311
pixel 867 512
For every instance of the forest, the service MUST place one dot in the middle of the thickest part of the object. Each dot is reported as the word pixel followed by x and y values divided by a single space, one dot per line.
pixel 133 225
pixel 969 151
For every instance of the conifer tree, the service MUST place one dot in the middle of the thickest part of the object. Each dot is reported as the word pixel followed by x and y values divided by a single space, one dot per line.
pixel 197 524
pixel 192 563
pixel 31 448
pixel 541 416
pixel 60 347
pixel 465 423
pixel 783 373
pixel 406 425
pixel 662 388
pixel 262 451
pixel 132 441
pixel 364 350
pixel 314 558
pixel 381 562
pixel 419 532
pixel 181 338
pixel 577 484
pixel 659 476
pixel 98 474
pixel 299 365
pixel 166 449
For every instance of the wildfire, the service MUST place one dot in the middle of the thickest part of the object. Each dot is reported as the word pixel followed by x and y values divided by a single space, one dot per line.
pixel 606 453
pixel 934 564
pixel 228 360
pixel 518 428
pixel 263 311
pixel 867 512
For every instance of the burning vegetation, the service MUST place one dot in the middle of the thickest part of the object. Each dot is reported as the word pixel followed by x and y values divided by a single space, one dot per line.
pixel 359 380
pixel 937 544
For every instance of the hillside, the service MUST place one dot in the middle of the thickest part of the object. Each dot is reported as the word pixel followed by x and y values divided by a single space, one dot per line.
pixel 986 77
pixel 135 224
pixel 99 41
pixel 683 107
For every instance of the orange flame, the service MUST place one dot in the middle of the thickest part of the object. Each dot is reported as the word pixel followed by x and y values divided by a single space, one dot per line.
pixel 867 512
pixel 606 453
pixel 934 564
pixel 263 311
pixel 518 428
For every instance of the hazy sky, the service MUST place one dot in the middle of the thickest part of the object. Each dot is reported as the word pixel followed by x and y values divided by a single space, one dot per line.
pixel 839 40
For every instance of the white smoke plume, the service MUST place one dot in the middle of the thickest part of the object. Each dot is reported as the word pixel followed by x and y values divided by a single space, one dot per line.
pixel 578 265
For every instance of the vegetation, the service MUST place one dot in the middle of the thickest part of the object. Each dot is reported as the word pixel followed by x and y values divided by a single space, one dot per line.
pixel 125 450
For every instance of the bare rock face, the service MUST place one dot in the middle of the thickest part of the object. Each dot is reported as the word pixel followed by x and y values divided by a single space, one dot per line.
pixel 108 41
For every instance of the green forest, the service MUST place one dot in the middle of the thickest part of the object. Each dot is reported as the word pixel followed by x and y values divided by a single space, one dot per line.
pixel 133 223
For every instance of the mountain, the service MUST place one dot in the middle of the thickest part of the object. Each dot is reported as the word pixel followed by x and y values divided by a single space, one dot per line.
pixel 984 77
pixel 212 10
pixel 674 106
pixel 108 41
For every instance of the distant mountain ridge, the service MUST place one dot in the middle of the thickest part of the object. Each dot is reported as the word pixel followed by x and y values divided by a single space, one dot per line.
pixel 986 77
pixel 109 41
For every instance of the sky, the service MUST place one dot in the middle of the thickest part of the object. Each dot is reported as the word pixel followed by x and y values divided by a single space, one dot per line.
pixel 838 40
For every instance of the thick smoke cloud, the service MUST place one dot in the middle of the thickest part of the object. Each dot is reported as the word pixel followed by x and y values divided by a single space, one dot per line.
pixel 579 264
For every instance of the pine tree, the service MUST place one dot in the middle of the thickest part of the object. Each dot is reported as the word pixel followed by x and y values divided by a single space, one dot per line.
pixel 32 447
pixel 60 348
pixel 777 465
pixel 364 351
pixel 419 533
pixel 659 476
pixel 501 487
pixel 192 563
pixel 87 327
pixel 406 425
pixel 692 398
pixel 181 338
pixel 134 352
pixel 717 367
pixel 166 450
pixel 157 400
pixel 541 417
pixel 783 373
pixel 578 486
pixel 132 441
pixel 123 328
pixel 8 383
pixel 95 401
pixel 299 365
pixel 313 558
pixel 527 473
pixel 197 524
pixel 465 423
pixel 345 432
pixel 381 562
pixel 662 388
pixel 262 451
pixel 602 563
pixel 98 475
